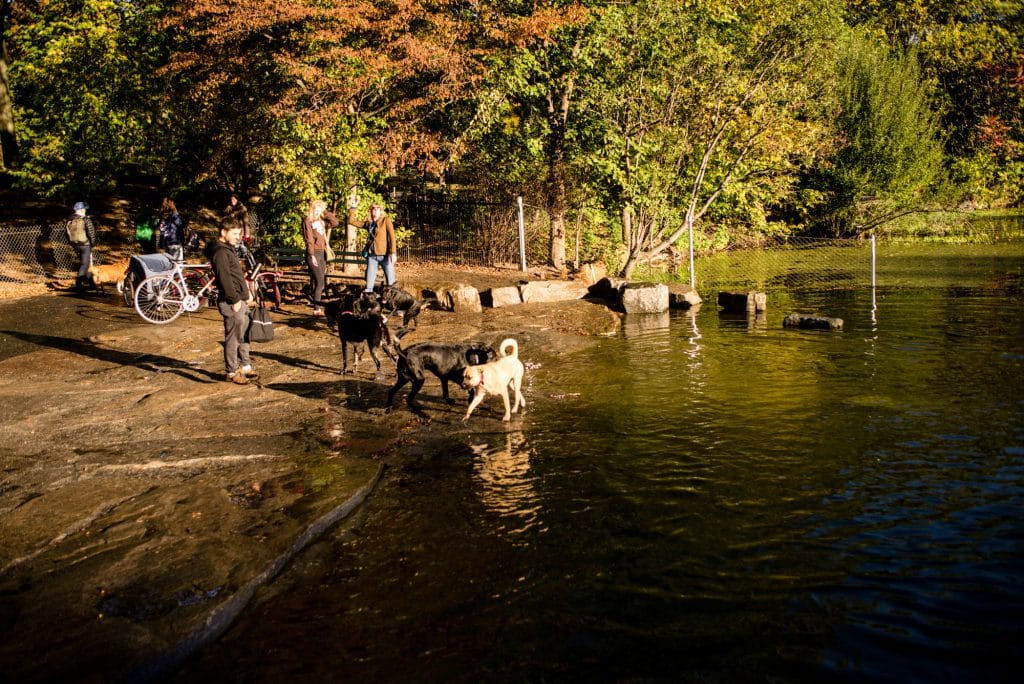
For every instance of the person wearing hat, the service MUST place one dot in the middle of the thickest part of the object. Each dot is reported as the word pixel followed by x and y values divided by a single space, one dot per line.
pixel 233 300
pixel 82 236
pixel 381 247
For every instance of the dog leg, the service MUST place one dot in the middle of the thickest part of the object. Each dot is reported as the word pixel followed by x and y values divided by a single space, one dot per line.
pixel 399 384
pixel 504 398
pixel 416 386
pixel 477 398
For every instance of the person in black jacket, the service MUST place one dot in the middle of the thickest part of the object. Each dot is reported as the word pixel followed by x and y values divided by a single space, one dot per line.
pixel 172 230
pixel 233 300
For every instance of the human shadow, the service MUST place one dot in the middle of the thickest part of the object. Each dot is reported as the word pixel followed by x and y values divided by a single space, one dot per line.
pixel 144 360
pixel 295 362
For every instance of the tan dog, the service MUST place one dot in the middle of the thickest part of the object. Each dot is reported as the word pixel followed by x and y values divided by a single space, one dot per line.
pixel 108 273
pixel 495 378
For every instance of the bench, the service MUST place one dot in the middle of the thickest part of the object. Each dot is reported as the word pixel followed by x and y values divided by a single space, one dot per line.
pixel 292 256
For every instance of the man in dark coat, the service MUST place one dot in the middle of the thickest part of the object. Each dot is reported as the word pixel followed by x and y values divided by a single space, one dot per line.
pixel 233 300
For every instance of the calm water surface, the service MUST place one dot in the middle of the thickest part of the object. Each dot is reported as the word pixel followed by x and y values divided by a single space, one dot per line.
pixel 700 498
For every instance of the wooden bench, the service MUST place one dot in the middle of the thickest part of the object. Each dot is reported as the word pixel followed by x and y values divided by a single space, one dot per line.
pixel 293 257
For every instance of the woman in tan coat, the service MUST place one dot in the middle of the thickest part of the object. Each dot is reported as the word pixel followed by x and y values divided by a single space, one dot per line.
pixel 381 247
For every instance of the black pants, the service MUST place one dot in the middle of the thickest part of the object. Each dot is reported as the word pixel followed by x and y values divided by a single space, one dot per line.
pixel 317 279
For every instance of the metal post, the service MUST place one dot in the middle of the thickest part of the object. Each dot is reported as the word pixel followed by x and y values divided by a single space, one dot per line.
pixel 873 302
pixel 689 221
pixel 522 236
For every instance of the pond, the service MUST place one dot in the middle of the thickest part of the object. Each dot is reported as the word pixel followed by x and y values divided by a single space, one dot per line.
pixel 701 498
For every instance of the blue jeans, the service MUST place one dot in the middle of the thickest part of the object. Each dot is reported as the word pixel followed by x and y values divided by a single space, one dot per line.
pixel 372 263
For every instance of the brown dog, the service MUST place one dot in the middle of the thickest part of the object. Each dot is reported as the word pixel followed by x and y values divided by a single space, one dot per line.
pixel 495 378
pixel 108 273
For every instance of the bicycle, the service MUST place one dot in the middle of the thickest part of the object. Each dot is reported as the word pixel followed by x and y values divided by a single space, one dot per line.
pixel 163 297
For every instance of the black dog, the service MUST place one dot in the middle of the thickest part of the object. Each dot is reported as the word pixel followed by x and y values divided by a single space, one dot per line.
pixel 446 361
pixel 356 328
pixel 393 298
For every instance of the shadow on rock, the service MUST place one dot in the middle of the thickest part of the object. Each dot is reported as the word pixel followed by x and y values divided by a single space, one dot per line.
pixel 146 361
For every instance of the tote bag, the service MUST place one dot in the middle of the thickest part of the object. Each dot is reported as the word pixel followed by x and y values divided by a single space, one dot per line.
pixel 261 328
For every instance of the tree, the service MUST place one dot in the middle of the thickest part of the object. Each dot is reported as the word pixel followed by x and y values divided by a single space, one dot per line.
pixel 891 158
pixel 79 84
pixel 699 104
pixel 974 52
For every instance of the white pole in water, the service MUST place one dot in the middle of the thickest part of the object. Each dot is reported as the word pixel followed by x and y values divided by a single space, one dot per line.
pixel 522 236
pixel 873 303
pixel 689 220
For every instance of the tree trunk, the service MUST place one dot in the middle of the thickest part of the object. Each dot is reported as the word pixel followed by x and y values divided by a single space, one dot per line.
pixel 8 141
pixel 557 202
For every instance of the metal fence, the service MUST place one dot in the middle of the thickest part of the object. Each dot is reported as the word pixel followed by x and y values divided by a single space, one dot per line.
pixel 468 232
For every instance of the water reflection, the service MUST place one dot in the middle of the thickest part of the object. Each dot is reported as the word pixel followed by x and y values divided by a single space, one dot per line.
pixel 507 485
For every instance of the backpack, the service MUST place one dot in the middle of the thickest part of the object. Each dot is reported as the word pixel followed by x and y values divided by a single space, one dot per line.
pixel 76 231
pixel 144 230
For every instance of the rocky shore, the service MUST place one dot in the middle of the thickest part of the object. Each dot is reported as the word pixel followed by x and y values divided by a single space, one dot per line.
pixel 144 501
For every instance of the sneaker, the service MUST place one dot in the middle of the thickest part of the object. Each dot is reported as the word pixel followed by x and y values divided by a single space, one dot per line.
pixel 249 372
pixel 238 378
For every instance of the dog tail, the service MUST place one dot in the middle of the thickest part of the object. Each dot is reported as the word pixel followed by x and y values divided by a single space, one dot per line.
pixel 509 342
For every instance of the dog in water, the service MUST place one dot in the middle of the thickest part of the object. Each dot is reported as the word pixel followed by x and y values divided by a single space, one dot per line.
pixel 105 274
pixel 446 361
pixel 496 377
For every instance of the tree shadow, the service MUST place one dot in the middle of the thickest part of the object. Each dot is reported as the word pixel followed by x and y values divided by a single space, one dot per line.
pixel 144 360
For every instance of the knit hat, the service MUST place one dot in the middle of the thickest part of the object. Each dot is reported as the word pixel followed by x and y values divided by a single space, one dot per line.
pixel 80 206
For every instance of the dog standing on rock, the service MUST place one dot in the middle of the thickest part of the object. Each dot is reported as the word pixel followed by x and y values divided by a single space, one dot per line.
pixel 496 377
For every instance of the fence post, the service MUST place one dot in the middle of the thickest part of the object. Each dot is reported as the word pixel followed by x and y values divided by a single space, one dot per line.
pixel 522 235
pixel 874 307
pixel 689 222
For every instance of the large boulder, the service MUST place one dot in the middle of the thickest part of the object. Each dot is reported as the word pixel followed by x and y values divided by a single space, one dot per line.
pixel 466 299
pixel 544 291
pixel 503 296
pixel 682 296
pixel 742 302
pixel 455 297
pixel 645 298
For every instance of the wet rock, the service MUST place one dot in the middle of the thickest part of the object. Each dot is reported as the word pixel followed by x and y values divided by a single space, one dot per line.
pixel 683 296
pixel 645 298
pixel 796 320
pixel 742 302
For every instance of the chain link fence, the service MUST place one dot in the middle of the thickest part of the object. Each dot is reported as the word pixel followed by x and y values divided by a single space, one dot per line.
pixel 468 232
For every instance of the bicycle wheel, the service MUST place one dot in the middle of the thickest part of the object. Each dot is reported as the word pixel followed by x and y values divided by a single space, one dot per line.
pixel 128 289
pixel 195 281
pixel 160 299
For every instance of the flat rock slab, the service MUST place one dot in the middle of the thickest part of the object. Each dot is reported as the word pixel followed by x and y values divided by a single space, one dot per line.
pixel 546 291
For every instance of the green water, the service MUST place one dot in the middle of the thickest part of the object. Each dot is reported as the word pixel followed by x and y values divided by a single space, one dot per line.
pixel 701 498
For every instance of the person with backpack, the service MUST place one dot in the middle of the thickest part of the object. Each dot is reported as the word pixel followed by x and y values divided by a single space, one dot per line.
pixel 82 236
pixel 172 230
